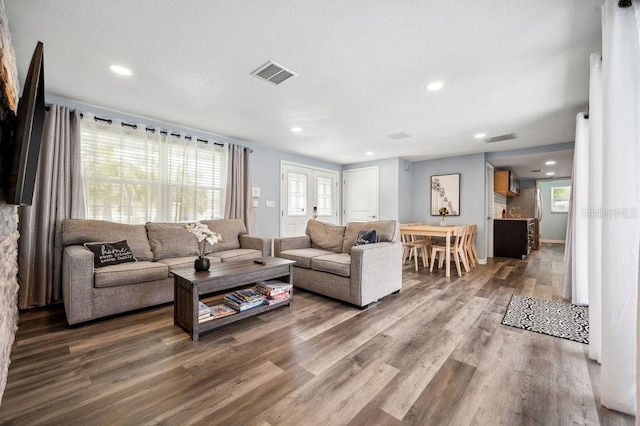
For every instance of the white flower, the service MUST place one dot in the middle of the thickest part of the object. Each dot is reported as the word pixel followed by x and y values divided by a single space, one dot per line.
pixel 203 234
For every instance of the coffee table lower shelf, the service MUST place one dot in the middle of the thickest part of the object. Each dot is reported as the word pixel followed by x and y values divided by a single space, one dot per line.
pixel 219 322
pixel 189 286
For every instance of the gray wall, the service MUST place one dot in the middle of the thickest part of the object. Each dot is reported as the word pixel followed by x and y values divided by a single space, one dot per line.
pixel 405 191
pixel 553 225
pixel 472 190
pixel 265 174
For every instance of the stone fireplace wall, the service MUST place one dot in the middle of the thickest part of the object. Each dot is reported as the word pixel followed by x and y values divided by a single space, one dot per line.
pixel 8 213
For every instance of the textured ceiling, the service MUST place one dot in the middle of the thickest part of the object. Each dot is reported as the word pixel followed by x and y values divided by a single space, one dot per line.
pixel 508 65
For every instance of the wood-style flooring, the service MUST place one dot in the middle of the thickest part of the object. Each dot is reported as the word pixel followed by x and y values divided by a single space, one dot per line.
pixel 435 354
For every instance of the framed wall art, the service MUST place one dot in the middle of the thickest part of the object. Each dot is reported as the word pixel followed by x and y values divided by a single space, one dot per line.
pixel 445 192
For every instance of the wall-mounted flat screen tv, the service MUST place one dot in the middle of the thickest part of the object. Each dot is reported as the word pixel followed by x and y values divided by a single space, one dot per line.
pixel 20 156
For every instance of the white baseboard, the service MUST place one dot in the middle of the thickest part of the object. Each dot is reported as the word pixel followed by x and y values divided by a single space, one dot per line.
pixel 482 261
pixel 553 241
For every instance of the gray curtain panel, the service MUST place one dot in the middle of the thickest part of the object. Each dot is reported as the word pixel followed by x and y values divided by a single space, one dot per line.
pixel 39 246
pixel 238 201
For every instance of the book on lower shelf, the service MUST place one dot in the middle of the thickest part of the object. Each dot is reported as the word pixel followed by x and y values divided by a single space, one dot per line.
pixel 241 300
pixel 214 312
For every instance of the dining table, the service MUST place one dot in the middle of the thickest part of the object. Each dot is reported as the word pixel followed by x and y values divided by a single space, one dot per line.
pixel 445 232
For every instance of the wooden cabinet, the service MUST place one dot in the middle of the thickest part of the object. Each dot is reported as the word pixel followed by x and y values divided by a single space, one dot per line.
pixel 505 182
pixel 513 238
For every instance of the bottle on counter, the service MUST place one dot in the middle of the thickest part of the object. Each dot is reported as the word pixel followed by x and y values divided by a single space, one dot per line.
pixel 504 213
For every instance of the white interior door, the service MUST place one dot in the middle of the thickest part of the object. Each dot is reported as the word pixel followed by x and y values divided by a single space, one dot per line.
pixel 306 193
pixel 360 195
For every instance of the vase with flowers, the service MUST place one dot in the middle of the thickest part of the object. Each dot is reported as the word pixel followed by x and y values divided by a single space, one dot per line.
pixel 443 212
pixel 204 235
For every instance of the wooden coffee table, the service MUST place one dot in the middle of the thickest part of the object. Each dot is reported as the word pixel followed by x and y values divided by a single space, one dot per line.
pixel 189 285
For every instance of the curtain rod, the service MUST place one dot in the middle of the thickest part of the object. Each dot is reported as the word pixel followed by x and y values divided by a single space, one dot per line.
pixel 153 130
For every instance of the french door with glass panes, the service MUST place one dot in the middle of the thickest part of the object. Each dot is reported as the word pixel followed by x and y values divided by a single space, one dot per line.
pixel 306 193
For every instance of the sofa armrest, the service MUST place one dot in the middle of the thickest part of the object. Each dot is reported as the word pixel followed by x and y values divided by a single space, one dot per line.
pixel 256 243
pixel 290 243
pixel 77 283
pixel 376 271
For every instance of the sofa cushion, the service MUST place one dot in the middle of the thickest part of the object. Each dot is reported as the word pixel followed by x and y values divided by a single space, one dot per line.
pixel 230 229
pixel 80 231
pixel 129 274
pixel 385 230
pixel 105 254
pixel 325 236
pixel 236 254
pixel 182 262
pixel 169 240
pixel 303 256
pixel 339 264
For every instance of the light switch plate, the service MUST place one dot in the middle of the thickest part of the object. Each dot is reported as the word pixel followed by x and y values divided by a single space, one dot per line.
pixel 270 203
pixel 256 203
pixel 255 192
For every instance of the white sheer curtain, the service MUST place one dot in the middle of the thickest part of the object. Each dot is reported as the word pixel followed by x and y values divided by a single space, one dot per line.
pixel 135 174
pixel 621 201
pixel 594 182
pixel 606 230
pixel 576 279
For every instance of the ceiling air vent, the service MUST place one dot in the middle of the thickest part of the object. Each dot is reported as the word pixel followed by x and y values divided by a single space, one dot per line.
pixel 500 138
pixel 273 73
pixel 399 135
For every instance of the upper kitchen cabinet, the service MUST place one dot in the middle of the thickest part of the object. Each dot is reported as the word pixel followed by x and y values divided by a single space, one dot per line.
pixel 505 182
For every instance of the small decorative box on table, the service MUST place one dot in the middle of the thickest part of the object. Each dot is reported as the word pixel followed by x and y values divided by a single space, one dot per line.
pixel 190 285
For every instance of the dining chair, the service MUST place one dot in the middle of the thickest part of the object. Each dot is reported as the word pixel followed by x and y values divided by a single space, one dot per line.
pixel 456 248
pixel 470 246
pixel 414 247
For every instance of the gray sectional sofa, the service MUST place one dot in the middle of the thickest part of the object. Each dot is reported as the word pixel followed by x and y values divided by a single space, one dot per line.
pixel 328 262
pixel 159 248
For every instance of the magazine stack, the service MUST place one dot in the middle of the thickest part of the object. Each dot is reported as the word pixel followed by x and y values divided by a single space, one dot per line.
pixel 241 300
pixel 275 291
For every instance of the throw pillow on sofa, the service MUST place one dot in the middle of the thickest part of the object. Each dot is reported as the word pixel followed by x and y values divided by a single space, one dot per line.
pixel 105 254
pixel 366 237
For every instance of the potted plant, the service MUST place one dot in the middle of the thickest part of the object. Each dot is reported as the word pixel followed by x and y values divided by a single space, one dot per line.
pixel 204 235
pixel 443 212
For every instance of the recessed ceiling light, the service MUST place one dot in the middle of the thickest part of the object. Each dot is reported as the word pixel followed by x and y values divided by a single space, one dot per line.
pixel 436 85
pixel 550 163
pixel 368 153
pixel 119 69
pixel 296 129
pixel 550 173
pixel 480 135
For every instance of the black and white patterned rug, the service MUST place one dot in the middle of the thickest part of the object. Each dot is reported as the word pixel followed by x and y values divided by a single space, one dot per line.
pixel 556 319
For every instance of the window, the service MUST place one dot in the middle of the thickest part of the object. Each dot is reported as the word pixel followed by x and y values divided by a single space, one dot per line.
pixel 297 194
pixel 560 196
pixel 134 175
pixel 324 193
